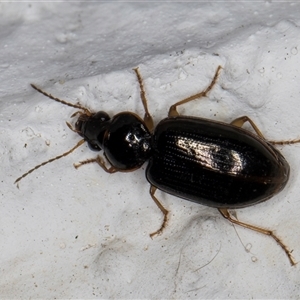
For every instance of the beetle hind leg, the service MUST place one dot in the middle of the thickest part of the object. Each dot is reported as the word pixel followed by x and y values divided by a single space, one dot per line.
pixel 163 210
pixel 225 213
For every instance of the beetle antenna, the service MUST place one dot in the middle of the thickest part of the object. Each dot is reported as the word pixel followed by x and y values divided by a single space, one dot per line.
pixel 61 101
pixel 49 161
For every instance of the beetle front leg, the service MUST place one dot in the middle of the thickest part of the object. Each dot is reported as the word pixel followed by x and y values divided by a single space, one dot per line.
pixel 225 213
pixel 163 210
pixel 99 160
pixel 173 109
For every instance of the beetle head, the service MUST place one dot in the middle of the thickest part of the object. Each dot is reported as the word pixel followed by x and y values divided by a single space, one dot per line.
pixel 92 128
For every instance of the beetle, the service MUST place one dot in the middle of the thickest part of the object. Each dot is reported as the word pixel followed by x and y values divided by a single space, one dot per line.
pixel 208 162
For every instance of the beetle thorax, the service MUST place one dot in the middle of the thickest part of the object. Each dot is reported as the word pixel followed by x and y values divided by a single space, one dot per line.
pixel 127 142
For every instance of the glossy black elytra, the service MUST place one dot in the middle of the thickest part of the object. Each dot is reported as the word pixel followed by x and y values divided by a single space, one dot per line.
pixel 211 163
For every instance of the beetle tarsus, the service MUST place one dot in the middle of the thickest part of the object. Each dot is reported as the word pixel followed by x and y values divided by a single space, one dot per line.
pixel 287 142
pixel 225 213
pixel 163 210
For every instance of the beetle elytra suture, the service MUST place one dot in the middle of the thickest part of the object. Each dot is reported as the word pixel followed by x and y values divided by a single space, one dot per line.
pixel 208 162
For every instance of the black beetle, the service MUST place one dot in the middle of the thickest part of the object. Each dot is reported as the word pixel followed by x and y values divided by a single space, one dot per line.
pixel 211 163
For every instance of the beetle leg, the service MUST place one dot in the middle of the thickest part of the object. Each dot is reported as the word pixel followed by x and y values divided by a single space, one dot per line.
pixel 173 111
pixel 288 142
pixel 147 117
pixel 225 213
pixel 239 122
pixel 99 160
pixel 163 210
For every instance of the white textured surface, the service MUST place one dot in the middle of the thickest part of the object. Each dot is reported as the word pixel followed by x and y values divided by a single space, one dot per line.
pixel 70 233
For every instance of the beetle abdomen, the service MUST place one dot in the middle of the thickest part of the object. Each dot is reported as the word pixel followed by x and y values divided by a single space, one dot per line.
pixel 214 164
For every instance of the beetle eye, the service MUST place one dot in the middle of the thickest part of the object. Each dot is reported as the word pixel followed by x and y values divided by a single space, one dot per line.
pixel 94 147
pixel 101 116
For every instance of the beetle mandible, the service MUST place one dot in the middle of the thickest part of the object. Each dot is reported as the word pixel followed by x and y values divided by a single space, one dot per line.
pixel 208 162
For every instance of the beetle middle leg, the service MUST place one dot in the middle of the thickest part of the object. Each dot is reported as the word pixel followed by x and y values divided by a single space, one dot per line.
pixel 163 210
pixel 225 213
pixel 239 122
pixel 173 109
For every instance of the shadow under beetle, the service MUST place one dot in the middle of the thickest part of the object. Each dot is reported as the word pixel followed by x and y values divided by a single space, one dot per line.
pixel 208 162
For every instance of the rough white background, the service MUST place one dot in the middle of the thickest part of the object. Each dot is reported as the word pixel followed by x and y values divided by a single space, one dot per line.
pixel 83 233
